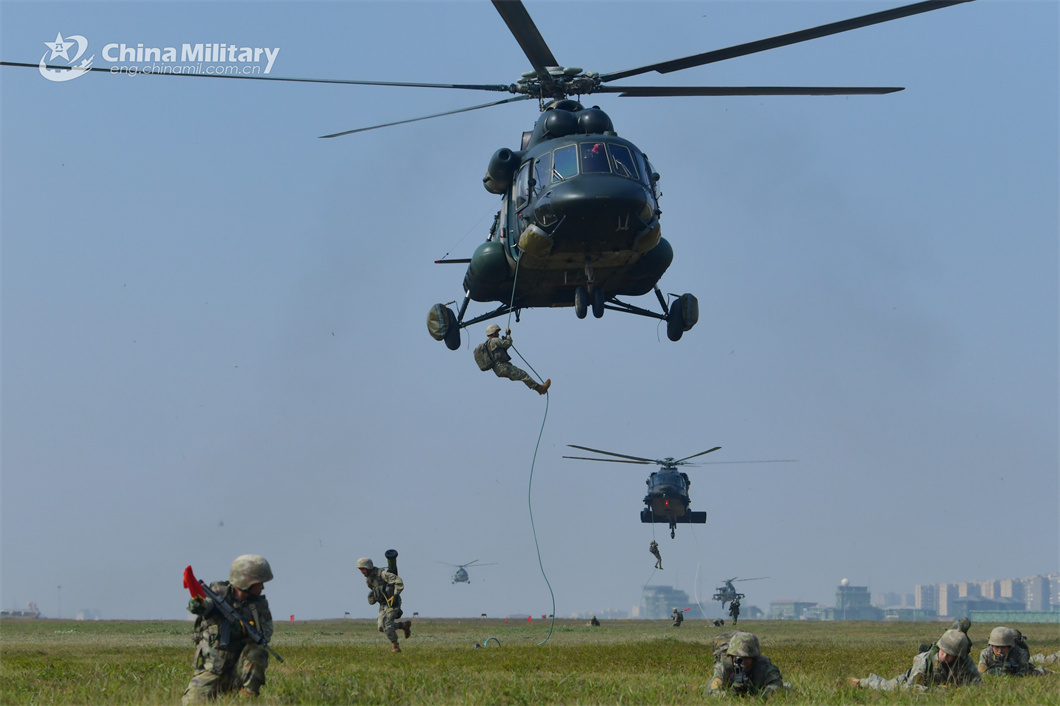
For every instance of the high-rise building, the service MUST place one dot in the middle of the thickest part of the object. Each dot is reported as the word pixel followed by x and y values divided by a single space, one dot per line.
pixel 1036 592
pixel 927 597
pixel 659 601
pixel 1054 591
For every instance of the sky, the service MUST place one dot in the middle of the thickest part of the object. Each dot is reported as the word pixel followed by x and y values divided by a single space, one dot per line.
pixel 214 339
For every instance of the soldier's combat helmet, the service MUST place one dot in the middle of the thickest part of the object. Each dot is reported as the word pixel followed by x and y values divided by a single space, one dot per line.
pixel 492 329
pixel 743 644
pixel 1002 637
pixel 248 570
pixel 954 643
pixel 365 563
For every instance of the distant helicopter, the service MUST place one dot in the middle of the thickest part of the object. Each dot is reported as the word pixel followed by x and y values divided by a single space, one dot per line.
pixel 667 500
pixel 728 592
pixel 460 575
pixel 578 223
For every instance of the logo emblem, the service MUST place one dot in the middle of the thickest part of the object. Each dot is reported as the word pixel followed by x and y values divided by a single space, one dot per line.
pixel 61 48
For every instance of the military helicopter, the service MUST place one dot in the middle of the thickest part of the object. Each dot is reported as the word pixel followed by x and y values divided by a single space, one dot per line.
pixel 667 500
pixel 460 575
pixel 728 592
pixel 578 223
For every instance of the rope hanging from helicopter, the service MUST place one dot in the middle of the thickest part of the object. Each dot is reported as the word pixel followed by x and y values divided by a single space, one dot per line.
pixel 699 562
pixel 533 462
pixel 653 568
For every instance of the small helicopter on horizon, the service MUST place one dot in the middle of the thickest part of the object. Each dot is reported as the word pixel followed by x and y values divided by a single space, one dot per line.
pixel 728 593
pixel 461 575
pixel 667 501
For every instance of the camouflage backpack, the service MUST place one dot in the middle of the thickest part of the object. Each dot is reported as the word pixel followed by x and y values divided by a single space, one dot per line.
pixel 483 357
pixel 721 645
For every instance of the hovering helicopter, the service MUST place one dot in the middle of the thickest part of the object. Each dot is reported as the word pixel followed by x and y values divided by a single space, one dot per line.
pixel 460 575
pixel 728 592
pixel 578 223
pixel 667 500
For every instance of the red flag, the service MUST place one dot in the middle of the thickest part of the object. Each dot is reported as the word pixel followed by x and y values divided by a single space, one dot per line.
pixel 192 584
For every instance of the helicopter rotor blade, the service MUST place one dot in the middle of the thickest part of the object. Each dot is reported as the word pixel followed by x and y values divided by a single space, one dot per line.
pixel 718 463
pixel 428 117
pixel 610 460
pixel 684 91
pixel 756 578
pixel 351 82
pixel 611 453
pixel 784 40
pixel 522 27
pixel 701 453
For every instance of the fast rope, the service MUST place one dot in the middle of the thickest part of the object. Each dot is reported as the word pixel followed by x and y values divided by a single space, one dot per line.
pixel 533 462
pixel 653 569
pixel 695 584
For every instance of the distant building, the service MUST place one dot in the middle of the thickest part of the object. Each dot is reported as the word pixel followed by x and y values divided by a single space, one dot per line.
pixel 1054 591
pixel 88 615
pixel 789 610
pixel 1036 593
pixel 963 607
pixel 908 615
pixel 854 603
pixel 926 598
pixel 659 602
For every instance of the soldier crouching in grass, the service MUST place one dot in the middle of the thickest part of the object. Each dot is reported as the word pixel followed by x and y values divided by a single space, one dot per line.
pixel 225 659
pixel 386 590
pixel 946 664
pixel 741 669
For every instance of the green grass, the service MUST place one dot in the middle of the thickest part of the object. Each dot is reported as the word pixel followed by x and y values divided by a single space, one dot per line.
pixel 348 661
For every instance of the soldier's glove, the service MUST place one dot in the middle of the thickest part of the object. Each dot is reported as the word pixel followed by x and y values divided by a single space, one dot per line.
pixel 196 606
pixel 371 598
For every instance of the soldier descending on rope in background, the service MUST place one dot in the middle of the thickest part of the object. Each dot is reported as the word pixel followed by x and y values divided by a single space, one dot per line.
pixel 734 610
pixel 946 664
pixel 493 355
pixel 678 618
pixel 227 659
pixel 386 588
pixel 1007 654
pixel 741 669
pixel 654 549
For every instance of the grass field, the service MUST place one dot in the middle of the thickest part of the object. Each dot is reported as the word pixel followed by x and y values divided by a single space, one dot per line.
pixel 348 661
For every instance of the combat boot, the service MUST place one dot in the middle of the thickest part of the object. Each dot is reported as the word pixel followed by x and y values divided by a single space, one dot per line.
pixel 406 627
pixel 396 648
pixel 542 389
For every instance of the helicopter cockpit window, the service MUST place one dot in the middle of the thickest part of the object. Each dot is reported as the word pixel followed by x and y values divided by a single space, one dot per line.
pixel 520 188
pixel 594 158
pixel 542 170
pixel 565 163
pixel 622 162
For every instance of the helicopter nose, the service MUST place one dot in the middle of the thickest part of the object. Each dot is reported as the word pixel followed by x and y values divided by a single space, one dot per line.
pixel 608 204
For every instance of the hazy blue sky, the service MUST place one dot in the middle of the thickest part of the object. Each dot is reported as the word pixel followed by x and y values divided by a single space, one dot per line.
pixel 212 316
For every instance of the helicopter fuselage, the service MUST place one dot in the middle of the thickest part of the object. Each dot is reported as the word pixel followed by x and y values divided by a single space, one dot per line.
pixel 579 207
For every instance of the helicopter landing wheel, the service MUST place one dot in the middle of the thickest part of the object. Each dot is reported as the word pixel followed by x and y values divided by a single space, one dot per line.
pixel 581 301
pixel 452 335
pixel 598 302
pixel 675 321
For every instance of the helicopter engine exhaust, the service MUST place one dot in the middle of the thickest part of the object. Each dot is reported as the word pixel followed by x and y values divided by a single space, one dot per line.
pixel 499 171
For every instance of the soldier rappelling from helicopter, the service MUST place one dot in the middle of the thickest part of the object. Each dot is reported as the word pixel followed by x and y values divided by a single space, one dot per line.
pixel 654 549
pixel 493 355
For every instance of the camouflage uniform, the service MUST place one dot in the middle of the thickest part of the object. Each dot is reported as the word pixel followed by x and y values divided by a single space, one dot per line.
pixel 1016 664
pixel 764 677
pixel 502 362
pixel 382 582
pixel 928 671
pixel 654 549
pixel 240 664
pixel 678 618
pixel 1046 659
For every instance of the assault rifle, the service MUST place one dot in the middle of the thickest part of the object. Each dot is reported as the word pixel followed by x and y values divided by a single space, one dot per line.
pixel 741 681
pixel 199 589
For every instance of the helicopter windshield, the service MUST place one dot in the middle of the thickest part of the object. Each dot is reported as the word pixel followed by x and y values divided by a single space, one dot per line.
pixel 622 161
pixel 594 158
pixel 565 163
pixel 542 168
